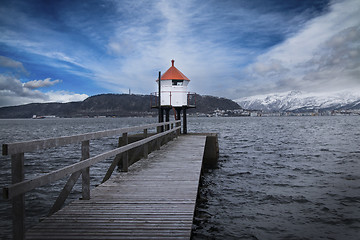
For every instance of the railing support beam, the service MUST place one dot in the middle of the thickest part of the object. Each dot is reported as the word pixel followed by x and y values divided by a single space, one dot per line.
pixel 64 193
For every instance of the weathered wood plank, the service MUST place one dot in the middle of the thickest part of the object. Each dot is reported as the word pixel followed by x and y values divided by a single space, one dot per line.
pixel 155 199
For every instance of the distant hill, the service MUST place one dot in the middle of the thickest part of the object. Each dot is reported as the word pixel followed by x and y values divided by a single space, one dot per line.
pixel 119 105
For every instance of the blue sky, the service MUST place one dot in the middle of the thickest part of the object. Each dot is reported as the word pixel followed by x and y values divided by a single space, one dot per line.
pixel 69 50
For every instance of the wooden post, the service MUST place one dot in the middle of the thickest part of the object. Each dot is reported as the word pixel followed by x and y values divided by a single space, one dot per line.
pixel 178 116
pixel 158 143
pixel 162 120
pixel 160 110
pixel 125 158
pixel 167 118
pixel 85 154
pixel 172 134
pixel 160 129
pixel 146 145
pixel 184 121
pixel 18 202
pixel 176 132
pixel 120 144
pixel 211 152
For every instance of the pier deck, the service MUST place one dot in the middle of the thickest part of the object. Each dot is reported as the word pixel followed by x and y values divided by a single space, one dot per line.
pixel 155 199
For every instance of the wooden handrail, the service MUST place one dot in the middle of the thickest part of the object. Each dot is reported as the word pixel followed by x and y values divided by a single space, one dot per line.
pixel 25 186
pixel 16 191
pixel 35 145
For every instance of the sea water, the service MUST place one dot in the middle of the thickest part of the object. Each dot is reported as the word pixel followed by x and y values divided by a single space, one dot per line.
pixel 277 178
pixel 282 178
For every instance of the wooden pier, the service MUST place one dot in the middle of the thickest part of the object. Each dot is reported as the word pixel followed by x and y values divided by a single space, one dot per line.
pixel 154 198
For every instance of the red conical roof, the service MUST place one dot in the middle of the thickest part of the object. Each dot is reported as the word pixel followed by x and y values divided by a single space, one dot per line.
pixel 173 74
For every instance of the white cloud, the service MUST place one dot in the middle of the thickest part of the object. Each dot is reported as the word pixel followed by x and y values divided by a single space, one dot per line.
pixel 271 67
pixel 12 86
pixel 40 83
pixel 65 96
pixel 13 92
pixel 324 56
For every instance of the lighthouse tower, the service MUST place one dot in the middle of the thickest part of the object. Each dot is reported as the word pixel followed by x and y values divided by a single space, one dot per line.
pixel 174 94
pixel 174 88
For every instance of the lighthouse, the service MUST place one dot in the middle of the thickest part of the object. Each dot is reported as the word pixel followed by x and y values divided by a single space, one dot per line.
pixel 174 94
pixel 174 88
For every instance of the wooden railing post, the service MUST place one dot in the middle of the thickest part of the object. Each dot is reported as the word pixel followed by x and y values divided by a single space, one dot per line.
pixel 18 202
pixel 146 145
pixel 85 154
pixel 119 156
pixel 125 158
pixel 173 134
pixel 177 131
pixel 158 143
pixel 168 136
pixel 184 121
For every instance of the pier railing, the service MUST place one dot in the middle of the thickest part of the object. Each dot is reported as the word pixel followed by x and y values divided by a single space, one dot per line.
pixel 168 95
pixel 16 191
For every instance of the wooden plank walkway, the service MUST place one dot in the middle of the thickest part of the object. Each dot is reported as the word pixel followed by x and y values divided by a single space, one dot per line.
pixel 155 199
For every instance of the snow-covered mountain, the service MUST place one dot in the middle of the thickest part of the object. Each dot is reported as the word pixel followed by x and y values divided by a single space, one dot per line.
pixel 297 100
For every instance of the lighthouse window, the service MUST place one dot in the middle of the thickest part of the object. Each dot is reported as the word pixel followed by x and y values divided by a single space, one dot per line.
pixel 177 82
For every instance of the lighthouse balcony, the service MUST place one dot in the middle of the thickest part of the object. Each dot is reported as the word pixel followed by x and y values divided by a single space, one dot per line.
pixel 173 99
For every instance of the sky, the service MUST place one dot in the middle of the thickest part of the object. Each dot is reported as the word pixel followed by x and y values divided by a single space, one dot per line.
pixel 61 51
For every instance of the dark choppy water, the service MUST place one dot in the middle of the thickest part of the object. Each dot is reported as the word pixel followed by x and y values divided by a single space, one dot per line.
pixel 283 178
pixel 278 178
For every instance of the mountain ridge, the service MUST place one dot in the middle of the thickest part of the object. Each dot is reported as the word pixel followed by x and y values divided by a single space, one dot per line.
pixel 118 105
pixel 302 101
